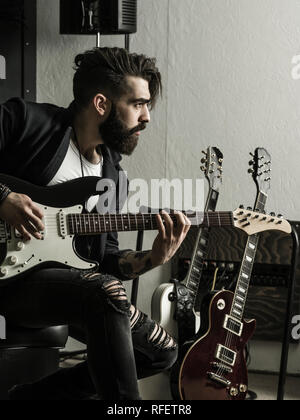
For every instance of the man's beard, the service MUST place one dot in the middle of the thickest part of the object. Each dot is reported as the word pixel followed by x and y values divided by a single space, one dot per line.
pixel 116 136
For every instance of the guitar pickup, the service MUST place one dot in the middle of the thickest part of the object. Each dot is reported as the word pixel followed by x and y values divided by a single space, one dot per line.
pixel 226 355
pixel 61 220
pixel 233 325
pixel 219 379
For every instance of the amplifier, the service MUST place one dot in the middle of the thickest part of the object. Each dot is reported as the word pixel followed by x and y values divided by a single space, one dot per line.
pixel 90 17
pixel 225 274
pixel 267 295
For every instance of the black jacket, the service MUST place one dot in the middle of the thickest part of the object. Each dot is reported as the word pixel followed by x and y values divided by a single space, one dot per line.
pixel 33 143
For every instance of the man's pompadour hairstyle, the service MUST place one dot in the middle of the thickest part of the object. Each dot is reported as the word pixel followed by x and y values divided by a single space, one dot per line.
pixel 105 69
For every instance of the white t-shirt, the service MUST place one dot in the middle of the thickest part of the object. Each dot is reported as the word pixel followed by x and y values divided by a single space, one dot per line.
pixel 71 169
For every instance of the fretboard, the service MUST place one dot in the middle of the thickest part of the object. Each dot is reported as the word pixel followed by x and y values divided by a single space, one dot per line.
pixel 200 250
pixel 93 224
pixel 243 283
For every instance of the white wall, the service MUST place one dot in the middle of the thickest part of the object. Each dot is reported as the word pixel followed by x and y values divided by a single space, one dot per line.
pixel 226 67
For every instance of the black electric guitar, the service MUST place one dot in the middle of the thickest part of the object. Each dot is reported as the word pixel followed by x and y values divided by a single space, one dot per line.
pixel 165 300
pixel 63 221
pixel 214 367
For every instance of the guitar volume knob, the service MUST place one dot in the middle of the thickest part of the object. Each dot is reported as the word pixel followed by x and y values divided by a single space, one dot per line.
pixel 12 260
pixel 3 271
pixel 20 246
pixel 243 388
pixel 234 392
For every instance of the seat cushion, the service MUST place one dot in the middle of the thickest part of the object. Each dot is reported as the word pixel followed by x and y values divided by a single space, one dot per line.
pixel 54 337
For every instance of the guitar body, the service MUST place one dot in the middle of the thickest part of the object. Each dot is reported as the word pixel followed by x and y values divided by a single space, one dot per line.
pixel 63 195
pixel 54 250
pixel 195 370
pixel 163 308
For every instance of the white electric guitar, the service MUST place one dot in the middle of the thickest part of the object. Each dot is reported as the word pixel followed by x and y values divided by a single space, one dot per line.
pixel 61 205
pixel 164 301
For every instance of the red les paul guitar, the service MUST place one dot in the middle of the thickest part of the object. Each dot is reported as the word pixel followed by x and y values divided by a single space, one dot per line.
pixel 214 367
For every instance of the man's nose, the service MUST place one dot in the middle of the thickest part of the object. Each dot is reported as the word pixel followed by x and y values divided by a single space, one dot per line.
pixel 145 115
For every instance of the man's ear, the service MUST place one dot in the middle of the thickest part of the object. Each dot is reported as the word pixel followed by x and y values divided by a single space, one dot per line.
pixel 101 104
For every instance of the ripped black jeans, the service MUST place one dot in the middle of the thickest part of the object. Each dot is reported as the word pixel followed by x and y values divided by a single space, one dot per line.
pixel 123 344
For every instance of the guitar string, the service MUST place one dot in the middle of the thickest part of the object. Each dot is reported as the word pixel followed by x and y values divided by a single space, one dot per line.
pixel 118 221
pixel 229 336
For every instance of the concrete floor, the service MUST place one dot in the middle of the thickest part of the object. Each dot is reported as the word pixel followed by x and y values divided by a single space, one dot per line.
pixel 265 386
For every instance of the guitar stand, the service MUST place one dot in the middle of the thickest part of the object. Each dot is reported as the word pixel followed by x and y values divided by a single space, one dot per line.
pixel 288 319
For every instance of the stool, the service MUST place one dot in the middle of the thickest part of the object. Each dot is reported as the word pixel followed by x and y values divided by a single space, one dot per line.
pixel 27 355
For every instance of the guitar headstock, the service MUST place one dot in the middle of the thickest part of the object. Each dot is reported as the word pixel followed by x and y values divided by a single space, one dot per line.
pixel 261 169
pixel 212 167
pixel 253 222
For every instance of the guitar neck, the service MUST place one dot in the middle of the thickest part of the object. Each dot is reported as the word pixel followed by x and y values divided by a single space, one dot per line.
pixel 200 250
pixel 93 224
pixel 243 283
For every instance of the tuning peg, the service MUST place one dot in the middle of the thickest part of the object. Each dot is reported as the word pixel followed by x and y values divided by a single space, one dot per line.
pixel 249 208
pixel 267 179
pixel 272 213
pixel 241 206
pixel 280 216
pixel 251 162
pixel 251 171
pixel 247 224
pixel 204 152
pixel 203 168
pixel 251 154
pixel 203 160
pixel 220 160
pixel 267 171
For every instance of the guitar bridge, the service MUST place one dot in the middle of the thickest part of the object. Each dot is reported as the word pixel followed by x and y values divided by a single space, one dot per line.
pixel 219 379
pixel 218 365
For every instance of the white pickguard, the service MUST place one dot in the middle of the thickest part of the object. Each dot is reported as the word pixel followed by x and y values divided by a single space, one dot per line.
pixel 162 309
pixel 56 245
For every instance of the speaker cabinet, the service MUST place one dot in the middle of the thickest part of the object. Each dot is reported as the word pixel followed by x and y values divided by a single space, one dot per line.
pixel 89 17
